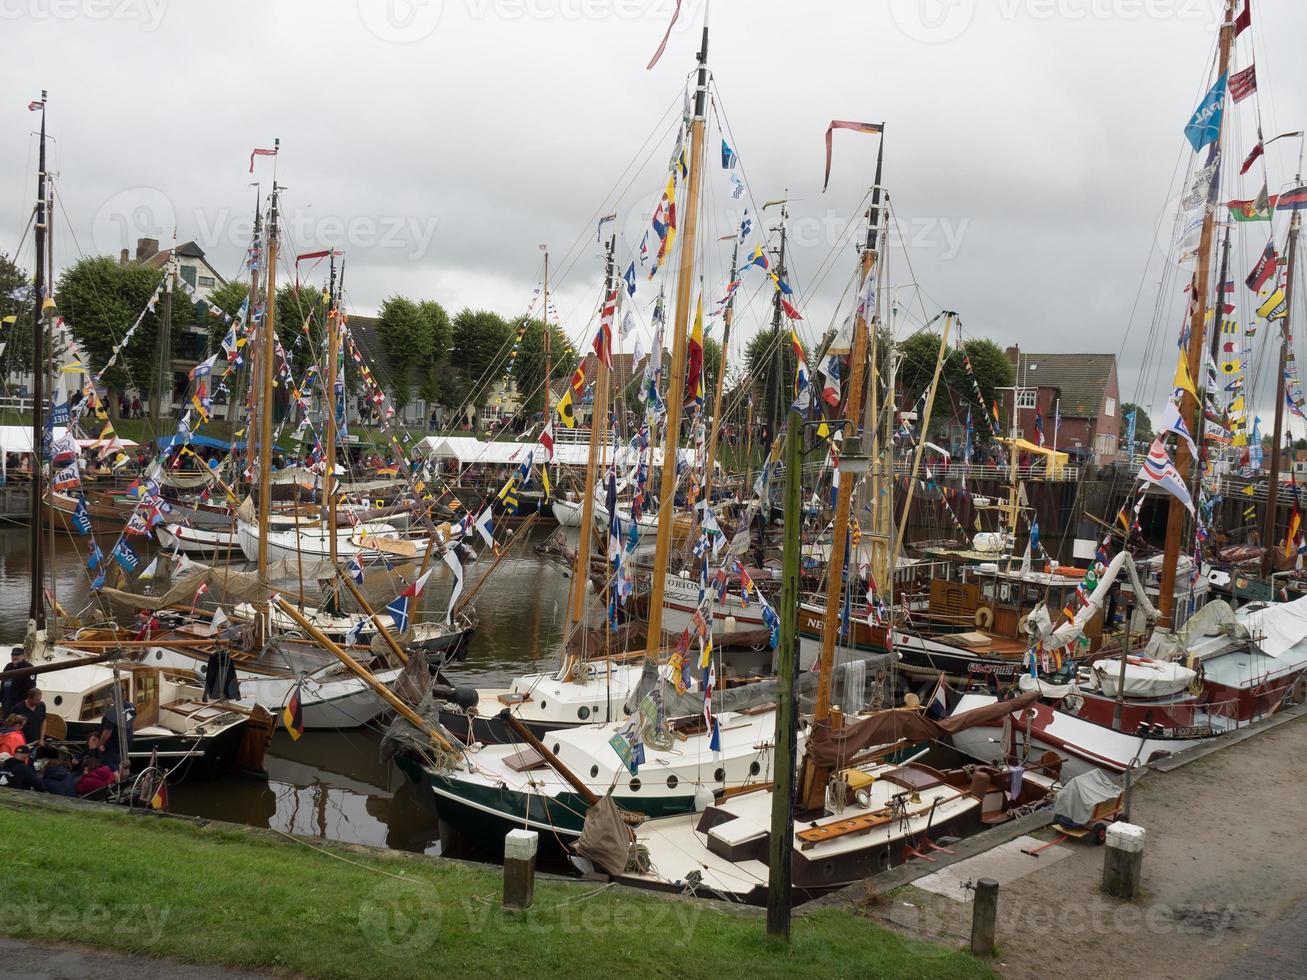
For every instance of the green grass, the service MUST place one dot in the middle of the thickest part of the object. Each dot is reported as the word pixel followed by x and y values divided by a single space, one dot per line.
pixel 216 894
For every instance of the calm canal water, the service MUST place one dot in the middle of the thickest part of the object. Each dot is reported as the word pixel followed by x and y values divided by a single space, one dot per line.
pixel 334 784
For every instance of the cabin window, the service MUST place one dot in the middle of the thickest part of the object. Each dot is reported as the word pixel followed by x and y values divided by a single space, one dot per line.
pixel 672 781
pixel 754 768
pixel 635 785
pixel 594 772
pixel 583 712
pixel 97 702
pixel 719 776
pixel 555 748
pixel 987 590
pixel 1005 593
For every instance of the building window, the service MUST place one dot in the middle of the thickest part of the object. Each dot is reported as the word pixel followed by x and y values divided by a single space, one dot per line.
pixel 188 274
pixel 1026 397
pixel 207 281
pixel 1110 407
pixel 1105 445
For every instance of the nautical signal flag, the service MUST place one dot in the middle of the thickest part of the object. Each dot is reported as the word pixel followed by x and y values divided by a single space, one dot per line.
pixel 400 605
pixel 1183 377
pixel 356 568
pixel 292 715
pixel 485 527
pixel 1160 471
pixel 1264 270
pixel 508 496
pixel 759 258
pixel 547 440
pixel 1275 307
pixel 694 359
pixel 566 410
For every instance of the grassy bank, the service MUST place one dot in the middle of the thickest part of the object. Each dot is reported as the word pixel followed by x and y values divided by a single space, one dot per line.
pixel 221 895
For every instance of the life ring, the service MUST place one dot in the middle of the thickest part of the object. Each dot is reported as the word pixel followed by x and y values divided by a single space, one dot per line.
pixel 984 617
pixel 1021 623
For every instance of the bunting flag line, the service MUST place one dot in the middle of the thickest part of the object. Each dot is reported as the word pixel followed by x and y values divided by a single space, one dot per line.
pixel 857 127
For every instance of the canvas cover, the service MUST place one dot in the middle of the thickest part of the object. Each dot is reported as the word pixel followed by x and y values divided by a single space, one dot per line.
pixel 605 839
pixel 1278 626
pixel 1076 800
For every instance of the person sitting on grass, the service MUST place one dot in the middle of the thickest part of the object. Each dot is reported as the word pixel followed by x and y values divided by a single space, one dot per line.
pixel 16 770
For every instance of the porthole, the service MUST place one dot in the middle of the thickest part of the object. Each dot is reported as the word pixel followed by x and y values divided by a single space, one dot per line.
pixel 583 712
pixel 827 869
pixel 594 772
pixel 754 768
pixel 720 775
pixel 543 705
pixel 555 748
pixel 158 654
pixel 672 781
pixel 635 785
pixel 58 700
pixel 627 710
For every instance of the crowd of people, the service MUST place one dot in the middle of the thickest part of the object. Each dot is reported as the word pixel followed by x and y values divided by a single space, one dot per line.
pixel 31 760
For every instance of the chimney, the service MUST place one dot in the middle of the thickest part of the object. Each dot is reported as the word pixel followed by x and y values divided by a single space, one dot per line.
pixel 124 257
pixel 145 248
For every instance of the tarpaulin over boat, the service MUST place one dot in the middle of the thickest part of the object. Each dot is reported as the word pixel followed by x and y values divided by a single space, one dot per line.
pixel 1278 626
pixel 605 839
pixel 207 442
pixel 182 591
pixel 833 748
pixel 1143 678
pixel 1076 800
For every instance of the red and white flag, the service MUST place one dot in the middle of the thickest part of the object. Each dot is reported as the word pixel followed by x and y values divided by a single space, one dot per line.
pixel 36 105
pixel 547 440
pixel 261 153
pixel 1243 83
pixel 603 344
pixel 1251 158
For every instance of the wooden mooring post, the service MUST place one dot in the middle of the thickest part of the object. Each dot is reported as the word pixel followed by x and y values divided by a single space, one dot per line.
pixel 1123 860
pixel 520 848
pixel 984 917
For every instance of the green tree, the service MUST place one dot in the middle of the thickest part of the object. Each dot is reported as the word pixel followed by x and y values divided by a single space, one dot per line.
pixel 956 393
pixel 530 368
pixel 480 339
pixel 1143 424
pixel 435 351
pixel 16 336
pixel 763 354
pixel 228 298
pixel 100 299
pixel 401 330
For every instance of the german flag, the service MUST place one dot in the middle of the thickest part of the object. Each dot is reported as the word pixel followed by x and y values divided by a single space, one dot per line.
pixel 292 716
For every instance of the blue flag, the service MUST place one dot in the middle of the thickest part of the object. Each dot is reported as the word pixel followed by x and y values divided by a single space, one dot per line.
pixel 94 556
pixel 728 156
pixel 630 279
pixel 1205 124
pixel 124 556
pixel 82 517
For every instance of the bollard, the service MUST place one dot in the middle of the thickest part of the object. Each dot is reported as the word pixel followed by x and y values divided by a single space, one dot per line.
pixel 520 869
pixel 984 916
pixel 1123 860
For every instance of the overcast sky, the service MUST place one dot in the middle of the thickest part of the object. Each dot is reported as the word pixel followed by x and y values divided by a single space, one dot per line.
pixel 1032 145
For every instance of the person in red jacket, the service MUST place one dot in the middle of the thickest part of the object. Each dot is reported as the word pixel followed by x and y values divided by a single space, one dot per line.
pixel 95 776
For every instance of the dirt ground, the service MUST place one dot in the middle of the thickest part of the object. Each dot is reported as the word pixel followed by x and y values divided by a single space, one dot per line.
pixel 1225 860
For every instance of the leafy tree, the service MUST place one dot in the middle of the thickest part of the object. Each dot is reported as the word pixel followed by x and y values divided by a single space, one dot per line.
pixel 956 393
pixel 16 336
pixel 775 388
pixel 435 350
pixel 530 369
pixel 228 297
pixel 100 299
pixel 401 330
pixel 1143 424
pixel 480 339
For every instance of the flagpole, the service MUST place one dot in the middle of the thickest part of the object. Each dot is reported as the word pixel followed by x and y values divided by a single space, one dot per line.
pixel 36 599
pixel 267 354
pixel 548 340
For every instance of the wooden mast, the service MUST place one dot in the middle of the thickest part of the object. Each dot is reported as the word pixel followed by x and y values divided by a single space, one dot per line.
pixel 676 382
pixel 251 309
pixel 267 355
pixel 720 381
pixel 813 787
pixel 882 553
pixel 329 400
pixel 1273 487
pixel 36 598
pixel 598 412
pixel 1178 513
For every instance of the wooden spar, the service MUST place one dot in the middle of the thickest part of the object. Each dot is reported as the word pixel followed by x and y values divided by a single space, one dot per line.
pixel 921 443
pixel 267 354
pixel 522 529
pixel 156 642
pixel 59 665
pixel 555 763
pixel 387 695
pixel 1177 514
pixel 36 557
pixel 372 615
pixel 676 380
pixel 1273 486
pixel 813 788
pixel 581 572
pixel 719 383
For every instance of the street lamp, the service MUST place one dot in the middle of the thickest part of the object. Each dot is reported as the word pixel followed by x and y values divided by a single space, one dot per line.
pixel 854 460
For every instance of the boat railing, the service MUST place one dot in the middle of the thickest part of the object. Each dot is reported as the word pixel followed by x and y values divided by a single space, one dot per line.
pixel 987 471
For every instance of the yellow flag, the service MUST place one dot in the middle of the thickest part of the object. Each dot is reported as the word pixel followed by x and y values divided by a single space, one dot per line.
pixel 1236 406
pixel 7 321
pixel 1183 379
pixel 1248 491
pixel 544 481
pixel 565 410
pixel 1274 308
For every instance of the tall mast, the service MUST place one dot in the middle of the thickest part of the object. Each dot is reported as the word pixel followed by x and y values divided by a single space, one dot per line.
pixel 882 562
pixel 599 411
pixel 778 358
pixel 676 382
pixel 1177 514
pixel 36 603
pixel 268 354
pixel 251 313
pixel 547 339
pixel 329 400
pixel 1273 488
pixel 720 381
